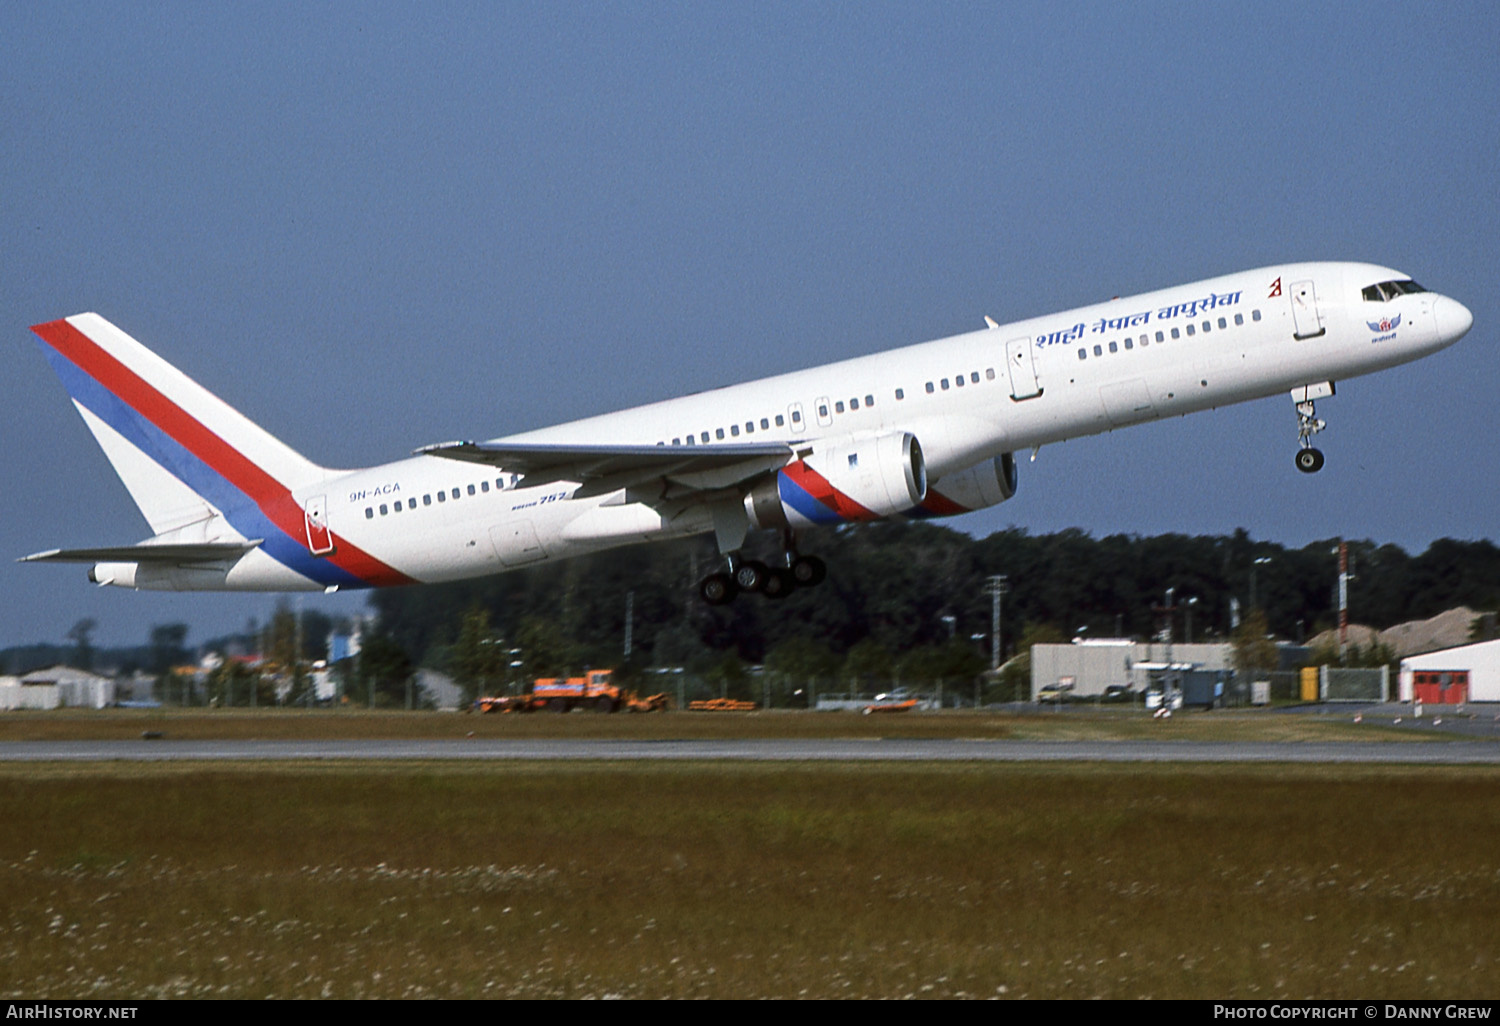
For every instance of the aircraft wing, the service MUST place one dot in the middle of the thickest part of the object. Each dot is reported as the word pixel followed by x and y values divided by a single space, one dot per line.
pixel 601 468
pixel 200 552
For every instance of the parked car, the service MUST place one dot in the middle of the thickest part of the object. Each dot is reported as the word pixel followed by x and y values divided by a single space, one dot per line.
pixel 1054 692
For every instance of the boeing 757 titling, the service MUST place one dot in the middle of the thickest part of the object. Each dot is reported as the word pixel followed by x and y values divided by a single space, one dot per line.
pixel 924 431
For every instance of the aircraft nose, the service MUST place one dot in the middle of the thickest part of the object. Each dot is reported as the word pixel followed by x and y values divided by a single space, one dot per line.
pixel 1453 319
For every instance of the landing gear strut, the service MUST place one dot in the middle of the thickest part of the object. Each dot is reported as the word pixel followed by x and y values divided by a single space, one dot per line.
pixel 1308 459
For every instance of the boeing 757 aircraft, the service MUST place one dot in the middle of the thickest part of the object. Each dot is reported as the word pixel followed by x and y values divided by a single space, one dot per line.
pixel 925 431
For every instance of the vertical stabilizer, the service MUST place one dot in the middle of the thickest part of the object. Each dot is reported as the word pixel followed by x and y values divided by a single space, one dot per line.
pixel 182 453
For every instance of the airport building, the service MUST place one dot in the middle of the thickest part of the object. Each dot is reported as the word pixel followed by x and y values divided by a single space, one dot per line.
pixel 1468 673
pixel 1105 667
pixel 1091 668
pixel 57 687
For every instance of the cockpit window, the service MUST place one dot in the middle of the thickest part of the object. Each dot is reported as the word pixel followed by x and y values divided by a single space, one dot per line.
pixel 1388 290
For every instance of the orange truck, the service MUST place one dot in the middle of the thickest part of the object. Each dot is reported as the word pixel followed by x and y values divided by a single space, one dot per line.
pixel 595 690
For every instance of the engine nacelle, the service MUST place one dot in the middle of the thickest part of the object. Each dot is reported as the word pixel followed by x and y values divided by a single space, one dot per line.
pixel 984 484
pixel 842 481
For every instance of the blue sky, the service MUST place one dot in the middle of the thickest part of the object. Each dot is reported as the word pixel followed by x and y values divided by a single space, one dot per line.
pixel 375 226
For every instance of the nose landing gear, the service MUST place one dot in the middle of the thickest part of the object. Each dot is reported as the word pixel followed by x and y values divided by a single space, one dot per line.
pixel 1308 459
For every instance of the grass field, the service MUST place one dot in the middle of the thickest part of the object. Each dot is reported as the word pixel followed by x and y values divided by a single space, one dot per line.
pixel 711 880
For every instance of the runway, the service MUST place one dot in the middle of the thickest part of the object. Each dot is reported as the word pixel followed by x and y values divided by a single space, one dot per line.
pixel 880 750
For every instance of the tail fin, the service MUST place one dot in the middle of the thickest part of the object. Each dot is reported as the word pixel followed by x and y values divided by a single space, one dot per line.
pixel 181 452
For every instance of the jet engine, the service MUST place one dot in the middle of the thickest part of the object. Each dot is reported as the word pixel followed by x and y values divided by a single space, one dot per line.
pixel 978 487
pixel 843 480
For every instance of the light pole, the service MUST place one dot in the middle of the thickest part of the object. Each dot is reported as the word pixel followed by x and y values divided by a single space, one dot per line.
pixel 997 585
pixel 1260 561
pixel 1191 602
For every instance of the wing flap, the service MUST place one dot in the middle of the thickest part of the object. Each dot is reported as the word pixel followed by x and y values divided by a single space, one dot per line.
pixel 542 462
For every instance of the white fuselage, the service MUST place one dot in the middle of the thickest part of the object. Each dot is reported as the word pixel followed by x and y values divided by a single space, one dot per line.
pixel 967 399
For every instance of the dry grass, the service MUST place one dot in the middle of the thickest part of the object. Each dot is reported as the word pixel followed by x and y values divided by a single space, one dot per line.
pixel 720 881
pixel 242 724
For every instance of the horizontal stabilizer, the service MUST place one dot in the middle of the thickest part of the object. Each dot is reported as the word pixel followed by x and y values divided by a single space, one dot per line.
pixel 201 552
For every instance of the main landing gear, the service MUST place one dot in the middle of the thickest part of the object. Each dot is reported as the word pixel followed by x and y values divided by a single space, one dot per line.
pixel 773 582
pixel 1308 459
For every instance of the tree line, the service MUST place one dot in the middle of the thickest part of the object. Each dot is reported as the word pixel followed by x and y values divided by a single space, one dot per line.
pixel 902 601
pixel 916 593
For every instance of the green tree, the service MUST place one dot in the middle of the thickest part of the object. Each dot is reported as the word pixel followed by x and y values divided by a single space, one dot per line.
pixel 83 649
pixel 868 667
pixel 384 671
pixel 545 650
pixel 727 676
pixel 1254 651
pixel 478 658
pixel 799 666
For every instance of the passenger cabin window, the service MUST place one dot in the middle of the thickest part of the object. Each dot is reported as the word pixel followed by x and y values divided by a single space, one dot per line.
pixel 869 400
pixel 900 394
pixel 734 429
pixel 779 421
pixel 1255 315
pixel 929 388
